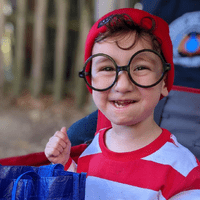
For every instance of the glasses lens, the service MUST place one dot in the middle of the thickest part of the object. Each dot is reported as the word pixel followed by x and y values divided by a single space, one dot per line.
pixel 146 68
pixel 103 72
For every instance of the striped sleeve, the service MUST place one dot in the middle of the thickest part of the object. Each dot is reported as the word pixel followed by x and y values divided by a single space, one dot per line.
pixel 186 195
pixel 191 187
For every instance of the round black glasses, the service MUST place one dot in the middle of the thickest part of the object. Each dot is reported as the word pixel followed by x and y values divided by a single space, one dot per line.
pixel 146 68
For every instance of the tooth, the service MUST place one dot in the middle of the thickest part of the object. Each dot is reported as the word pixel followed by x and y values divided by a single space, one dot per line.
pixel 122 103
pixel 119 104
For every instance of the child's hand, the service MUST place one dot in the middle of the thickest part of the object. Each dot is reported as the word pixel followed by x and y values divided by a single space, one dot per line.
pixel 58 148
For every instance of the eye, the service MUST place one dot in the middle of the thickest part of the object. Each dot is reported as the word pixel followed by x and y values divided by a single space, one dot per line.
pixel 139 68
pixel 107 68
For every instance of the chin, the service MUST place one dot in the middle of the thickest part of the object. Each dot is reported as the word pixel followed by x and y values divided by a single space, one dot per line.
pixel 124 122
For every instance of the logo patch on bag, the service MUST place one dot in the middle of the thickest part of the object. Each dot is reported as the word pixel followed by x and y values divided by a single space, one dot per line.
pixel 185 36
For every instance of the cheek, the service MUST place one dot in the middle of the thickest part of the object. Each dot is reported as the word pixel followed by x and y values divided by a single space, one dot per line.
pixel 100 99
pixel 94 97
pixel 97 98
pixel 151 95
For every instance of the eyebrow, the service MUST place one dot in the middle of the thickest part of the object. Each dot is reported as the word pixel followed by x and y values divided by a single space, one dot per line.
pixel 100 60
pixel 146 58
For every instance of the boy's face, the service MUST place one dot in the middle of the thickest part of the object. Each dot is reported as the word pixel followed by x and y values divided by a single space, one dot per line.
pixel 125 103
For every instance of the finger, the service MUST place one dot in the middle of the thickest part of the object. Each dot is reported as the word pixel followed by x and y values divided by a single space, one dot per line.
pixel 55 142
pixel 56 148
pixel 51 147
pixel 62 135
pixel 64 138
pixel 64 130
pixel 49 152
pixel 67 151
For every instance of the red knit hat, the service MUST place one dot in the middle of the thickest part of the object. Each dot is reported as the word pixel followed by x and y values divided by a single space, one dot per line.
pixel 161 32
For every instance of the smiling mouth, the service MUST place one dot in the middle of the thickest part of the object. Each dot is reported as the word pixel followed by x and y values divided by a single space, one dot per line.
pixel 120 104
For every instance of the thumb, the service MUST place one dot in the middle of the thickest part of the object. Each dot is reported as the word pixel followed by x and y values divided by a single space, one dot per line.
pixel 63 129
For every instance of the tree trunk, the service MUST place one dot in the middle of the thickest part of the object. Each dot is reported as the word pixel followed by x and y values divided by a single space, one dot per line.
pixel 2 24
pixel 62 8
pixel 104 6
pixel 123 3
pixel 20 46
pixel 39 44
pixel 85 24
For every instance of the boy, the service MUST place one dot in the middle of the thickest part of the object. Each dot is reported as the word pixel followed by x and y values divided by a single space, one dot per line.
pixel 128 69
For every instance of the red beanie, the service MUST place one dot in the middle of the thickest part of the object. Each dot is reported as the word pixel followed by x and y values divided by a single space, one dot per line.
pixel 161 32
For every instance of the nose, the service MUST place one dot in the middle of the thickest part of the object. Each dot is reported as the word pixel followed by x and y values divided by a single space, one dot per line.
pixel 123 83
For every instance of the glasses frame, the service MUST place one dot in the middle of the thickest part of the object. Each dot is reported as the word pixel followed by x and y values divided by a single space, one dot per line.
pixel 83 74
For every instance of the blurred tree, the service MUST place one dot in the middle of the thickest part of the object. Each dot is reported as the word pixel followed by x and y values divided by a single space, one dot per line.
pixel 104 6
pixel 86 20
pixel 39 44
pixel 2 23
pixel 62 10
pixel 20 46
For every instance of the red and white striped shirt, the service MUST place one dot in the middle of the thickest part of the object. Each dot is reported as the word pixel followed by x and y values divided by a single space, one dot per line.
pixel 162 170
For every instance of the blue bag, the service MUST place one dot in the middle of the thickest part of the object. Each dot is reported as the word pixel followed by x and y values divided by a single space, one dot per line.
pixel 41 183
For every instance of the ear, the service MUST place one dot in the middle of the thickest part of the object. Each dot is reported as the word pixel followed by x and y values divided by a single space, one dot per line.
pixel 164 90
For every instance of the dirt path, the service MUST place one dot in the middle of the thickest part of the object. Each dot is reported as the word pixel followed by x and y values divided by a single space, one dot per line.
pixel 26 124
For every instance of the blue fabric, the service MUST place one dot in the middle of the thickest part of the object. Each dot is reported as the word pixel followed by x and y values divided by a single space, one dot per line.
pixel 171 9
pixel 83 130
pixel 41 183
